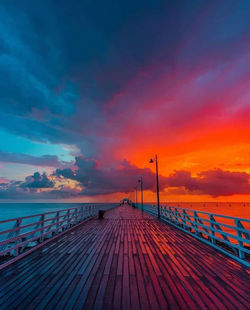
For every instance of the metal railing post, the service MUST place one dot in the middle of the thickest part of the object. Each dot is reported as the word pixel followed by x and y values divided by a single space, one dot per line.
pixel 184 218
pixel 57 221
pixel 167 212
pixel 239 236
pixel 195 222
pixel 211 222
pixel 82 215
pixel 17 234
pixel 42 227
pixel 170 213
pixel 68 215
pixel 76 215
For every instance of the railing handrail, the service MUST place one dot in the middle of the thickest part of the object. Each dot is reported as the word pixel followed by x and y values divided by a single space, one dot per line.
pixel 208 213
pixel 25 234
pixel 18 238
pixel 215 222
pixel 51 212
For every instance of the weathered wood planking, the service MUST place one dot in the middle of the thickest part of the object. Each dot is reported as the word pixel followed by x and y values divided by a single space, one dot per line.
pixel 129 260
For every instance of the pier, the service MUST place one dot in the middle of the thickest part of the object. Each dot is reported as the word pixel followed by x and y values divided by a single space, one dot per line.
pixel 128 260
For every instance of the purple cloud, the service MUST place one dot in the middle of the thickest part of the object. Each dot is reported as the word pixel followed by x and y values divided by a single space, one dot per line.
pixel 91 178
pixel 42 161
pixel 97 180
pixel 215 182
pixel 38 180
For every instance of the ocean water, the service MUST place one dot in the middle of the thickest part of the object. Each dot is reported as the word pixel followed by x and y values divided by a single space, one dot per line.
pixel 14 210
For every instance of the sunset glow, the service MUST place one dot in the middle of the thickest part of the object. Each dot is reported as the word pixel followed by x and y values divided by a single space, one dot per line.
pixel 89 96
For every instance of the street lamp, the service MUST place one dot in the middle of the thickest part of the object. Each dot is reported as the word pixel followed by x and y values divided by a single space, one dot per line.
pixel 136 196
pixel 141 181
pixel 155 160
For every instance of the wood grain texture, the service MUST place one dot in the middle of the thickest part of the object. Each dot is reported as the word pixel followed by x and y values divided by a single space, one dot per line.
pixel 129 260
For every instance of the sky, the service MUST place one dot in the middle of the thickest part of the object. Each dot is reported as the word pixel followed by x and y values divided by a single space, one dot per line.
pixel 91 90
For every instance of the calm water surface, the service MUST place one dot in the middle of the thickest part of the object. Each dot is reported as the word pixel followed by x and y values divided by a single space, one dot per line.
pixel 13 210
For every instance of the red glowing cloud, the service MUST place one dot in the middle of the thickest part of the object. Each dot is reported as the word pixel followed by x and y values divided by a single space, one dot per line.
pixel 166 79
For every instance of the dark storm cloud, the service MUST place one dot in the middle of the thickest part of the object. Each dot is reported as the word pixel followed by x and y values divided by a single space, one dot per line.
pixel 215 182
pixel 17 190
pixel 62 61
pixel 36 94
pixel 45 160
pixel 38 180
pixel 97 180
pixel 12 190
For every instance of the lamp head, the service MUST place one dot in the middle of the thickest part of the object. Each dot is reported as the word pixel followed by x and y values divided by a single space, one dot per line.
pixel 151 160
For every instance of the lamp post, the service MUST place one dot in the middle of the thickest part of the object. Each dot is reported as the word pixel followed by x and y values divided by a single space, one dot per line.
pixel 155 160
pixel 141 181
pixel 136 196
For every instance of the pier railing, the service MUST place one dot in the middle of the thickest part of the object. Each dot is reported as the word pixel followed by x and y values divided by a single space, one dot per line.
pixel 230 235
pixel 18 235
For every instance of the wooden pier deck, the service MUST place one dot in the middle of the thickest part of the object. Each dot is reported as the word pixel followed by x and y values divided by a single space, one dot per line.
pixel 129 260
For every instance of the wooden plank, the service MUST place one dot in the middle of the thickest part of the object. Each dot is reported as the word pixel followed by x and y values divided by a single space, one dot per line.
pixel 31 280
pixel 144 302
pixel 110 288
pixel 61 288
pixel 72 275
pixel 83 291
pixel 117 303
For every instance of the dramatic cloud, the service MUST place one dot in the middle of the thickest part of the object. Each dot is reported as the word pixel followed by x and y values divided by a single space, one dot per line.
pixel 90 178
pixel 37 186
pixel 213 182
pixel 17 190
pixel 45 160
pixel 98 180
pixel 38 180
pixel 126 81
pixel 153 68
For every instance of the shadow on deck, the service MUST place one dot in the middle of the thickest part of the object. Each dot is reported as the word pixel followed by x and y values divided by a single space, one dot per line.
pixel 129 260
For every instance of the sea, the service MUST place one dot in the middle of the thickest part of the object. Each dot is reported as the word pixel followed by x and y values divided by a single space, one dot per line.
pixel 14 210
